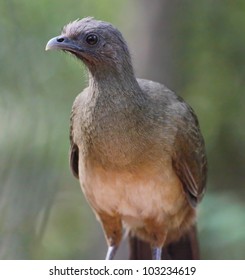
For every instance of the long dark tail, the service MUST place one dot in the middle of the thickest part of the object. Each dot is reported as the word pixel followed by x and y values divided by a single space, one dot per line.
pixel 186 248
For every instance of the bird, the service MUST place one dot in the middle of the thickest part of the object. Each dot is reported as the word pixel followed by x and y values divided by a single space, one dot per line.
pixel 135 146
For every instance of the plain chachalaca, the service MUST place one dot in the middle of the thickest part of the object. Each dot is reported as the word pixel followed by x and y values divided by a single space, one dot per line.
pixel 135 146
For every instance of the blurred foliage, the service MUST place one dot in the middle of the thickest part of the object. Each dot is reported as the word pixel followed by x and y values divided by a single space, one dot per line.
pixel 43 212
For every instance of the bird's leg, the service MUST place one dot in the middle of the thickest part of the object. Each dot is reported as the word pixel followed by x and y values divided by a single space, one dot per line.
pixel 111 251
pixel 157 234
pixel 112 227
pixel 156 253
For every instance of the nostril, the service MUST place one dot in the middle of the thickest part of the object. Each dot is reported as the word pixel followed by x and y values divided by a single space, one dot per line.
pixel 60 40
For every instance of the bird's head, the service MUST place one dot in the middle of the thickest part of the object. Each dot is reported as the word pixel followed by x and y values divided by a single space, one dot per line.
pixel 97 43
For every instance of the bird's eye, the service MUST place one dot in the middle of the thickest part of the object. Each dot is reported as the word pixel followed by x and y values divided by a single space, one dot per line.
pixel 92 39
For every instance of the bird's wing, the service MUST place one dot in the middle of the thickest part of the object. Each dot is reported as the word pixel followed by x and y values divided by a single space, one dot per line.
pixel 189 160
pixel 74 151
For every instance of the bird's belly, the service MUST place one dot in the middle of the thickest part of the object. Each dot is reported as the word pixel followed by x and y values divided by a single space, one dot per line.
pixel 145 193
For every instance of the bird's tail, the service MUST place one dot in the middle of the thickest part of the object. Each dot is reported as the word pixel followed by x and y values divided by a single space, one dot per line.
pixel 186 248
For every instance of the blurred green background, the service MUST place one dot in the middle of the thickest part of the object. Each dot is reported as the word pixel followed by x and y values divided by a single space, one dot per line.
pixel 196 48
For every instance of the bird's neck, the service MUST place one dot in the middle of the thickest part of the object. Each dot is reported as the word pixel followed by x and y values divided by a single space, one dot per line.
pixel 115 84
pixel 116 105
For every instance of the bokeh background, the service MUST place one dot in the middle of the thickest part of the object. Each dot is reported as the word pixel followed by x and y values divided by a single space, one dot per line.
pixel 196 48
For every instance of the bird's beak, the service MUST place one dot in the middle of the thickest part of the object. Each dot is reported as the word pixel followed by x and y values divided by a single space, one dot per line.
pixel 62 43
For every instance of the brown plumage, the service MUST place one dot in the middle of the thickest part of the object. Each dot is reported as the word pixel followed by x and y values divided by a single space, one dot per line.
pixel 136 147
pixel 185 248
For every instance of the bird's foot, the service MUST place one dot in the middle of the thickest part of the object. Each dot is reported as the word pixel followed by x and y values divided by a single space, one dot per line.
pixel 156 253
pixel 111 252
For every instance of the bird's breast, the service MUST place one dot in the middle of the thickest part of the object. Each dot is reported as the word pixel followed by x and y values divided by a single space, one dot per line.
pixel 148 192
pixel 113 137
